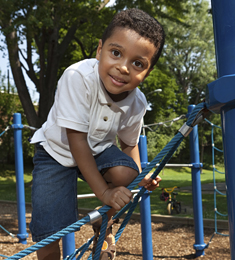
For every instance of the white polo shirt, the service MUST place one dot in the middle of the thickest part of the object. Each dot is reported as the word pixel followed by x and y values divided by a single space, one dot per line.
pixel 82 104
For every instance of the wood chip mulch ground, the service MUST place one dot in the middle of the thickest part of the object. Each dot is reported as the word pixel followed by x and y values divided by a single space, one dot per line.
pixel 170 241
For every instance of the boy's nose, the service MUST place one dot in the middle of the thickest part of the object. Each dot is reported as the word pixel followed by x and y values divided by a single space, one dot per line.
pixel 123 68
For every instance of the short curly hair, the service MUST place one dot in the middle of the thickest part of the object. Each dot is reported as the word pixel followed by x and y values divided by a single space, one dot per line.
pixel 142 23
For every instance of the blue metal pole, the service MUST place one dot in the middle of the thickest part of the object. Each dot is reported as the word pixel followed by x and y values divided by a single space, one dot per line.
pixel 228 121
pixel 19 168
pixel 145 208
pixel 68 245
pixel 224 34
pixel 199 245
pixel 222 96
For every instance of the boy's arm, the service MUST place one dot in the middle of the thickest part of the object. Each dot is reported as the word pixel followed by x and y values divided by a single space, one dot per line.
pixel 133 152
pixel 87 165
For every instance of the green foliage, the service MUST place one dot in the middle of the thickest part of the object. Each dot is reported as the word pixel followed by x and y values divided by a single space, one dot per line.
pixel 10 104
pixel 162 108
pixel 186 67
pixel 190 52
pixel 159 138
pixel 205 133
pixel 85 41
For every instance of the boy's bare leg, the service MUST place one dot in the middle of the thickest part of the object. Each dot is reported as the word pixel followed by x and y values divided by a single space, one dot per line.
pixel 49 252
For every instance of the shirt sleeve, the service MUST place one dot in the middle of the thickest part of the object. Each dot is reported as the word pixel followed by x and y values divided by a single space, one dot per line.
pixel 72 102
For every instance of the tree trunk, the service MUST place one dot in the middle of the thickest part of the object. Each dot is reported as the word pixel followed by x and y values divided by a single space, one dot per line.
pixel 12 46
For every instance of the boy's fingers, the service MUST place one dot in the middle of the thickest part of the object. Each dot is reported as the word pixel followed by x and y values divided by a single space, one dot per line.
pixel 124 195
pixel 116 206
pixel 149 180
pixel 121 201
pixel 127 192
pixel 152 184
pixel 154 181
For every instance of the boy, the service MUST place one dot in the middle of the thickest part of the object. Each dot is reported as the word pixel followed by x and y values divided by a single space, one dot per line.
pixel 96 100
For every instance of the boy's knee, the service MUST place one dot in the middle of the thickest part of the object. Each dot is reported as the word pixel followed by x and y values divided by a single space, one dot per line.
pixel 120 175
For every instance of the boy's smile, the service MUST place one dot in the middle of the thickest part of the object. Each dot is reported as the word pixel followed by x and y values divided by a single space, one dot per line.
pixel 124 61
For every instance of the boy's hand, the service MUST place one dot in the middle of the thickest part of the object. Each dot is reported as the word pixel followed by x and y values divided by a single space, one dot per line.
pixel 117 197
pixel 149 183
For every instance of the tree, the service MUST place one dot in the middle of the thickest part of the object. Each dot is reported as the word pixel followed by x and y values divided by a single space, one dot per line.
pixel 190 52
pixel 48 27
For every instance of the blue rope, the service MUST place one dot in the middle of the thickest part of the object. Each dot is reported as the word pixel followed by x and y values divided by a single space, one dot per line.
pixel 218 170
pixel 72 228
pixel 214 180
pixel 101 238
pixel 9 233
pixel 128 216
pixel 7 128
pixel 164 156
pixel 85 248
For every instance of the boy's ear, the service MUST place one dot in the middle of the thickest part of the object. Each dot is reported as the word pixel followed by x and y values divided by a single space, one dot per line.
pixel 147 74
pixel 98 51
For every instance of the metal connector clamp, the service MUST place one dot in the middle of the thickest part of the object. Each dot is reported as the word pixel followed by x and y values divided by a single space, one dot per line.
pixel 185 130
pixel 200 116
pixel 94 216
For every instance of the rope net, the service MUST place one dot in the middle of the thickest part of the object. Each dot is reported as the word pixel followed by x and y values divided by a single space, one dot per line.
pixel 216 191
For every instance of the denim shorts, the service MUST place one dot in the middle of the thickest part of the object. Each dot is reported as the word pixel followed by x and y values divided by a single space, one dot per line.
pixel 54 189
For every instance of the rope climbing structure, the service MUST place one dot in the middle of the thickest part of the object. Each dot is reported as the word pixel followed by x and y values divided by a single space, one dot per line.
pixel 216 190
pixel 162 158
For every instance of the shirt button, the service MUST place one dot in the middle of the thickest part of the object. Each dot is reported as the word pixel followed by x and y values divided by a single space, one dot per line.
pixel 105 118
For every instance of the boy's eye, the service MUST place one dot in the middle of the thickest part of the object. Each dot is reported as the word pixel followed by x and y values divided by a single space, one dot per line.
pixel 138 64
pixel 116 53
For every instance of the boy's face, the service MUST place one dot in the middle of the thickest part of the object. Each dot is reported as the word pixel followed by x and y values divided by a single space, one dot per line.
pixel 124 61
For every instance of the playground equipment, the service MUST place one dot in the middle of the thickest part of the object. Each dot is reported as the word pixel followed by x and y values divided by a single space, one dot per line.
pixel 19 167
pixel 68 240
pixel 216 190
pixel 221 96
pixel 163 156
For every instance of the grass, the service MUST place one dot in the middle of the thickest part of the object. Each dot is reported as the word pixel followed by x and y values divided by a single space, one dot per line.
pixel 180 177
